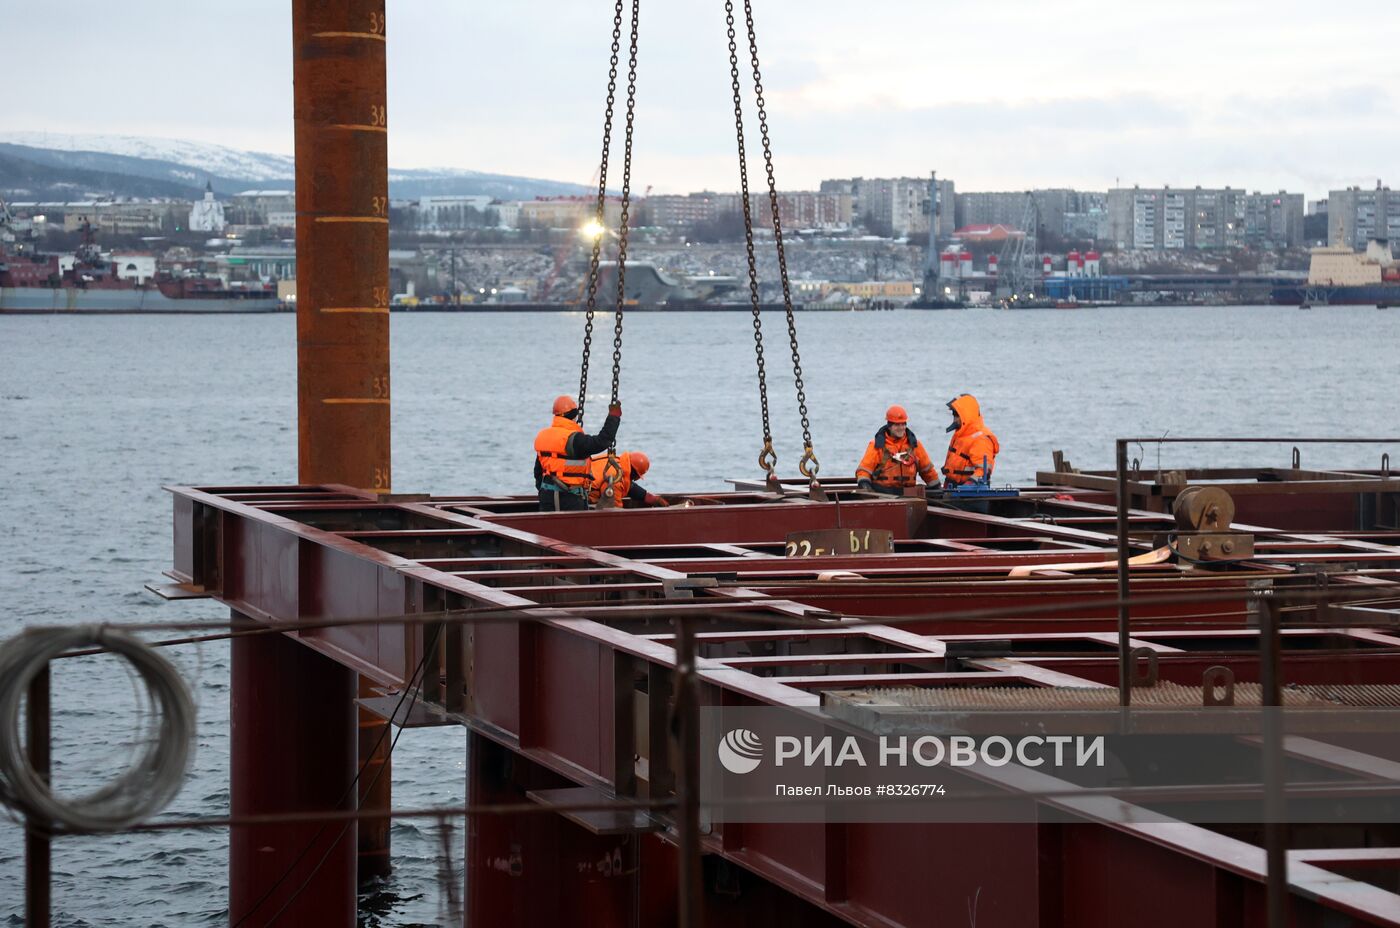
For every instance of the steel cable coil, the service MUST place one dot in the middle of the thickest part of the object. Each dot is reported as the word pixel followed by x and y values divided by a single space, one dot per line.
pixel 147 785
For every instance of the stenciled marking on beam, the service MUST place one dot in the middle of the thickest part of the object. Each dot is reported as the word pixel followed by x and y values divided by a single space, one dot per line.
pixel 352 219
pixel 354 309
pixel 348 35
pixel 346 400
pixel 357 127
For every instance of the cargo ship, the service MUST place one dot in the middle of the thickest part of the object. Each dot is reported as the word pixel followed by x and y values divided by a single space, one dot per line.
pixel 1338 276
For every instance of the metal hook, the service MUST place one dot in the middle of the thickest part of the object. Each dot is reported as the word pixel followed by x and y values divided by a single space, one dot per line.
pixel 1297 458
pixel 612 473
pixel 767 458
pixel 809 465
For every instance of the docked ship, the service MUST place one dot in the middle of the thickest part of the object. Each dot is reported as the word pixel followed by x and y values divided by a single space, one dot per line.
pixel 88 282
pixel 1338 276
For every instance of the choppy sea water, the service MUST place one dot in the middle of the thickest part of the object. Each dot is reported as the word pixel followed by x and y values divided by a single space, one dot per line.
pixel 97 413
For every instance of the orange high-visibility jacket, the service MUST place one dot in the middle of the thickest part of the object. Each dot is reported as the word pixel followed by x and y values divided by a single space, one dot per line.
pixel 552 449
pixel 892 463
pixel 597 466
pixel 973 451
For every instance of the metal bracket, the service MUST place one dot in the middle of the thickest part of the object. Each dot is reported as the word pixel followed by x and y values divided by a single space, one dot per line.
pixel 1144 667
pixel 684 587
pixel 1217 676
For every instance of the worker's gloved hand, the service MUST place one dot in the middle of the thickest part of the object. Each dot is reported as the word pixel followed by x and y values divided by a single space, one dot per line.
pixel 863 484
pixel 653 500
pixel 615 410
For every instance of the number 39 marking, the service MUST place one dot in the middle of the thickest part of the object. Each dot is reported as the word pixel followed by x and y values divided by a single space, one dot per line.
pixel 376 23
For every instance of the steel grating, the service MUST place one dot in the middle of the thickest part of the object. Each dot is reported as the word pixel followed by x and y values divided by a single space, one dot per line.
pixel 1076 698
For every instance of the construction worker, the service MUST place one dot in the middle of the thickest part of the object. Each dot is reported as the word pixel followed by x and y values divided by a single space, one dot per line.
pixel 895 459
pixel 562 450
pixel 972 453
pixel 632 466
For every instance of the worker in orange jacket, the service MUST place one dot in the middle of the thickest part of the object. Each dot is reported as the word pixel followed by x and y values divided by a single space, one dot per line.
pixel 972 453
pixel 895 459
pixel 632 466
pixel 562 449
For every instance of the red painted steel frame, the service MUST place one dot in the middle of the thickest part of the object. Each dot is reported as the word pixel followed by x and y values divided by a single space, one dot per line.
pixel 562 699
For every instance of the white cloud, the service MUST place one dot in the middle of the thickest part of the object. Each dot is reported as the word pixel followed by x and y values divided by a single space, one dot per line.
pixel 1021 93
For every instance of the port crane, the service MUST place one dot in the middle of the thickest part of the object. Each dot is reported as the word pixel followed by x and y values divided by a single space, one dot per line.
pixel 930 285
pixel 1016 263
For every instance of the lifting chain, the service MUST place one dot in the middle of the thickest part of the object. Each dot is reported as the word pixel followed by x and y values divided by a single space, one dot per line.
pixel 623 220
pixel 612 471
pixel 767 457
pixel 598 214
pixel 809 466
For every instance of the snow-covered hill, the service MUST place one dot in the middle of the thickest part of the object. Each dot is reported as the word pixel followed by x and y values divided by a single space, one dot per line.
pixel 199 156
pixel 231 170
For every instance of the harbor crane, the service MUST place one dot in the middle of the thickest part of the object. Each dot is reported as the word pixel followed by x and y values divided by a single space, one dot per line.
pixel 1016 263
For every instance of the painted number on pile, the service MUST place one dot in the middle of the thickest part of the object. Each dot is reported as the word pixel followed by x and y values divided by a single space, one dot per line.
pixel 376 23
pixel 803 548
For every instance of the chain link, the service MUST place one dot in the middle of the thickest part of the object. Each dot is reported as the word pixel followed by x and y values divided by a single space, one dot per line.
pixel 598 214
pixel 767 458
pixel 809 465
pixel 624 218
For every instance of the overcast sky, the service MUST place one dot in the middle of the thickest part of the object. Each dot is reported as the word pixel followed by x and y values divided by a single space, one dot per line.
pixel 1281 94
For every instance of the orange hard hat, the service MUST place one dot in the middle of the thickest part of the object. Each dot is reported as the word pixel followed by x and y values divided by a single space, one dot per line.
pixel 564 404
pixel 640 462
pixel 896 414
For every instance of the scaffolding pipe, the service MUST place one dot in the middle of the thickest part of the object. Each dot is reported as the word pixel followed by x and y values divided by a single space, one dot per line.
pixel 1125 690
pixel 38 863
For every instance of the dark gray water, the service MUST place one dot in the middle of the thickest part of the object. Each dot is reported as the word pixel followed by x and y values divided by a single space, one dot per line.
pixel 97 413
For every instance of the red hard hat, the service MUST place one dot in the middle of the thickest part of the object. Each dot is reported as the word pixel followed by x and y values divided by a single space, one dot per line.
pixel 564 404
pixel 640 462
pixel 896 414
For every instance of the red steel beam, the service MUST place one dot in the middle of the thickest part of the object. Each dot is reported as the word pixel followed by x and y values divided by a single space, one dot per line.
pixel 548 690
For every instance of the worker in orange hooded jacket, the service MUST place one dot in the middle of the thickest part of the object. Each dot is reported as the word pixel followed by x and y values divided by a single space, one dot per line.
pixel 973 451
pixel 895 459
pixel 562 450
pixel 632 466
